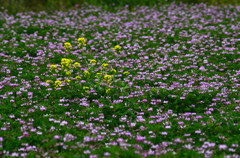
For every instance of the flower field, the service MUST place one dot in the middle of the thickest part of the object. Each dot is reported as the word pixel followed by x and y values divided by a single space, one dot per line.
pixel 157 81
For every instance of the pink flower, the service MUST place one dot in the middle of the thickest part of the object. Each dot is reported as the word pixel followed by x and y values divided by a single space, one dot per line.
pixel 43 108
pixel 56 137
pixel 25 134
pixel 140 138
pixel 63 123
pixel 202 68
pixel 106 154
pixel 150 109
pixel 164 133
pixel 222 146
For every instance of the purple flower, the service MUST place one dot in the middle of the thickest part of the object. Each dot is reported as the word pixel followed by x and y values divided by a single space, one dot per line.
pixel 63 123
pixel 43 108
pixel 222 146
pixel 140 138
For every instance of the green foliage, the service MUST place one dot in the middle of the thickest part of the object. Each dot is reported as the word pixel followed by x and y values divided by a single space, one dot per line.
pixel 221 2
pixel 122 3
pixel 14 6
pixel 146 108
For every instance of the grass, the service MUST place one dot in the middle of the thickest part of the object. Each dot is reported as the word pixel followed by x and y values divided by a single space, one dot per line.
pixel 151 82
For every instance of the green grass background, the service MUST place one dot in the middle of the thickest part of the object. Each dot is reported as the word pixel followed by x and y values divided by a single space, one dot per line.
pixel 14 6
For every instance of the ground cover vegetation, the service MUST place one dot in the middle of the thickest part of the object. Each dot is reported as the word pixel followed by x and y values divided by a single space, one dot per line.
pixel 15 6
pixel 160 81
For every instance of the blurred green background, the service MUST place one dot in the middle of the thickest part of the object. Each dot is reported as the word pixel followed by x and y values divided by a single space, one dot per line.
pixel 14 6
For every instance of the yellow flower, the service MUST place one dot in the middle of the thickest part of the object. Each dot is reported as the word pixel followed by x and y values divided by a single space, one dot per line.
pixel 117 47
pixel 99 73
pixel 68 73
pixel 67 45
pixel 126 73
pixel 57 83
pixel 66 62
pixel 49 81
pixel 76 64
pixel 86 73
pixel 78 77
pixel 104 64
pixel 86 88
pixel 107 77
pixel 53 66
pixel 67 80
pixel 108 90
pixel 82 41
pixel 113 71
pixel 93 61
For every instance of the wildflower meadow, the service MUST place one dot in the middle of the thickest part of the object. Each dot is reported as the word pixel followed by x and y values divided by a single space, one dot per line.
pixel 160 81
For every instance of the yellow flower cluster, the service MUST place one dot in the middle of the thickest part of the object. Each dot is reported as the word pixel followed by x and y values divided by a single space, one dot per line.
pixel 82 41
pixel 113 71
pixel 102 75
pixel 104 64
pixel 53 67
pixel 86 73
pixel 67 45
pixel 68 73
pixel 67 80
pixel 126 73
pixel 49 81
pixel 57 83
pixel 107 77
pixel 86 89
pixel 66 63
pixel 76 64
pixel 117 47
pixel 93 61
pixel 78 77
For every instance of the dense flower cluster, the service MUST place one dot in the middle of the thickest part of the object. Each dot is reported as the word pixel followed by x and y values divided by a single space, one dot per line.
pixel 97 74
pixel 150 82
pixel 82 41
